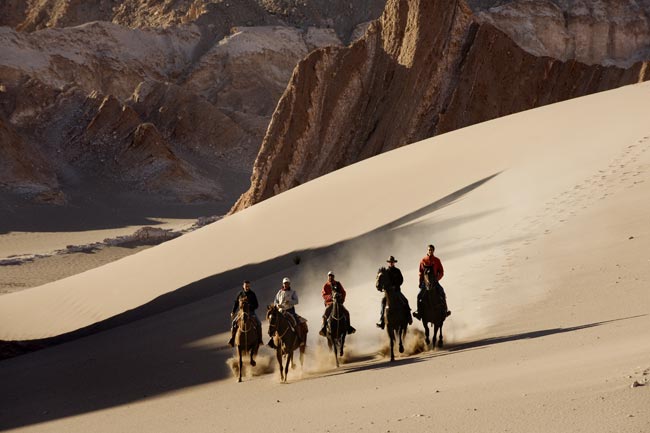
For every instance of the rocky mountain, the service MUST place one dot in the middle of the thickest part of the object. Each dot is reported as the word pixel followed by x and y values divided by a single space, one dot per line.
pixel 424 68
pixel 607 32
pixel 169 97
pixel 173 98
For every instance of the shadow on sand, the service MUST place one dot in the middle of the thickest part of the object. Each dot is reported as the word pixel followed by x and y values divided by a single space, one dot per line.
pixel 165 345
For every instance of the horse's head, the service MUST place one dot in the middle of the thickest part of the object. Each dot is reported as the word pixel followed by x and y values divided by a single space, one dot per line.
pixel 272 313
pixel 429 277
pixel 381 281
pixel 271 310
pixel 244 305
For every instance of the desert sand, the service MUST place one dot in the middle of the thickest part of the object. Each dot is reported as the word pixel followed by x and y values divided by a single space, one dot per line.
pixel 541 220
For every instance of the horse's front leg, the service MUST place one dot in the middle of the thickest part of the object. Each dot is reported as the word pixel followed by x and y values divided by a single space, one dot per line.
pixel 253 352
pixel 286 367
pixel 401 333
pixel 278 355
pixel 342 344
pixel 391 337
pixel 426 332
pixel 241 364
pixel 439 328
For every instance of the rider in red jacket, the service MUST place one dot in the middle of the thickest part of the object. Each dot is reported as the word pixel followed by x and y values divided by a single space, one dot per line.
pixel 330 288
pixel 433 262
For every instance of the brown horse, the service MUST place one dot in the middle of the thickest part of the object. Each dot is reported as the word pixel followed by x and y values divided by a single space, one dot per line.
pixel 247 338
pixel 397 311
pixel 433 308
pixel 337 328
pixel 284 329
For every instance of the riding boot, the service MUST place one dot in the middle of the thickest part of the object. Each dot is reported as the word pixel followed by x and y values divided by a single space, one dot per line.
pixel 381 322
pixel 303 333
pixel 259 333
pixel 271 343
pixel 351 330
pixel 444 303
pixel 233 331
pixel 417 313
pixel 323 329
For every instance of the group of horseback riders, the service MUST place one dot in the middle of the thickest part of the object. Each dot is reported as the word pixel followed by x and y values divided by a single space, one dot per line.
pixel 286 298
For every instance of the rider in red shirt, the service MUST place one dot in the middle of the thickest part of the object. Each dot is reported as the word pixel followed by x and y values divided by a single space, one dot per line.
pixel 431 261
pixel 329 289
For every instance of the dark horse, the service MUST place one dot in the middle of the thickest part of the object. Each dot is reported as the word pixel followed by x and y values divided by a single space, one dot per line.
pixel 397 311
pixel 433 309
pixel 337 328
pixel 284 329
pixel 247 337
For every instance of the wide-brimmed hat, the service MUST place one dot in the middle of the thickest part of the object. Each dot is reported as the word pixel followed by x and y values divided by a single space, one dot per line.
pixel 391 259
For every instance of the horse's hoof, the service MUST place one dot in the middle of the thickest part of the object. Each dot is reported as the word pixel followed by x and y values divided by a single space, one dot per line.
pixel 239 380
pixel 253 363
pixel 401 349
pixel 427 341
pixel 439 344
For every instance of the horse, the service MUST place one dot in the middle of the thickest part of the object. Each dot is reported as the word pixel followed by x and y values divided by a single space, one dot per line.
pixel 396 313
pixel 337 328
pixel 247 338
pixel 283 327
pixel 433 310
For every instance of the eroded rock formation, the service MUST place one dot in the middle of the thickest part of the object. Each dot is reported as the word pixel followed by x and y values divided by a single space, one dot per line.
pixel 424 68
pixel 607 32
pixel 86 99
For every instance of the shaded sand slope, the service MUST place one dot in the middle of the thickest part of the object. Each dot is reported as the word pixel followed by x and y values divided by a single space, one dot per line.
pixel 542 221
pixel 539 158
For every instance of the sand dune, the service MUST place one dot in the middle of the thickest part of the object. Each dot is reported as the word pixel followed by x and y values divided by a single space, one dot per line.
pixel 543 224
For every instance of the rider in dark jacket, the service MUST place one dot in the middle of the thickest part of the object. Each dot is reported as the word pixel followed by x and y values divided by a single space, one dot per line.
pixel 396 280
pixel 249 297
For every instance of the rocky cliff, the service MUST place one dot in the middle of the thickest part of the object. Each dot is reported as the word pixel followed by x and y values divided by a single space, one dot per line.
pixel 185 77
pixel 425 67
pixel 608 32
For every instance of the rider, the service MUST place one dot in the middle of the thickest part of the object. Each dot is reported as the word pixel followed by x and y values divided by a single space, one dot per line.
pixel 329 289
pixel 285 300
pixel 248 296
pixel 395 280
pixel 431 262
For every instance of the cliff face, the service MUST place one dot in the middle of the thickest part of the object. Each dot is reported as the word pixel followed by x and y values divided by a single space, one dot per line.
pixel 424 68
pixel 341 15
pixel 184 87
pixel 609 32
pixel 210 110
pixel 25 169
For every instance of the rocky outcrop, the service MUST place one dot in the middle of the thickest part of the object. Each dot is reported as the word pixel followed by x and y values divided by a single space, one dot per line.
pixel 608 32
pixel 341 15
pixel 25 169
pixel 424 68
pixel 77 96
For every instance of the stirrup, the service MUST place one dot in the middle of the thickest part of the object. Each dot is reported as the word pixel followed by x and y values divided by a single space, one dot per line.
pixel 380 325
